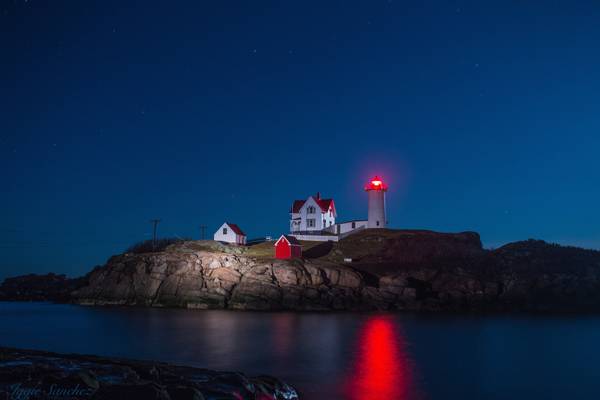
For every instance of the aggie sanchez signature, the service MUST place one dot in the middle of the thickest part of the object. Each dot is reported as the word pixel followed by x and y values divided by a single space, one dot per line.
pixel 20 392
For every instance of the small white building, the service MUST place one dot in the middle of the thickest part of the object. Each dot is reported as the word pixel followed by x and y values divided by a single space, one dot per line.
pixel 350 226
pixel 230 233
pixel 312 215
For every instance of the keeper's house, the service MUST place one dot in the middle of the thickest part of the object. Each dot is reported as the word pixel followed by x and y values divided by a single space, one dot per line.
pixel 230 233
pixel 312 215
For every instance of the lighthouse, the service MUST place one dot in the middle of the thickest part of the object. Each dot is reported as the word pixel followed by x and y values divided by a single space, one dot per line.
pixel 376 190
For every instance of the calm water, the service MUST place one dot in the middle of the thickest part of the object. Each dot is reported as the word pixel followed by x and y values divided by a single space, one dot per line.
pixel 337 356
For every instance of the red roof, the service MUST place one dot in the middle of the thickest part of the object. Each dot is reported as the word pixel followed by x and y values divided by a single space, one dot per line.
pixel 324 204
pixel 290 239
pixel 236 229
pixel 297 205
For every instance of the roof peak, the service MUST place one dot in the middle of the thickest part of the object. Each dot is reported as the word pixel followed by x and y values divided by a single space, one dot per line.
pixel 235 228
pixel 292 240
pixel 324 204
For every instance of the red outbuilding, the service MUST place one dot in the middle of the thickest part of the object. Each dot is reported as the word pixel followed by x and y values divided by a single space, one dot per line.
pixel 287 247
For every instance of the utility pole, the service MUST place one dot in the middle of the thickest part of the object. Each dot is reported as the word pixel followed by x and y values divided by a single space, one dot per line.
pixel 154 222
pixel 202 231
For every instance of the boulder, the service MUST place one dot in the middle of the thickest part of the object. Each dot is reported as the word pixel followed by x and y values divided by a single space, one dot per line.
pixel 43 375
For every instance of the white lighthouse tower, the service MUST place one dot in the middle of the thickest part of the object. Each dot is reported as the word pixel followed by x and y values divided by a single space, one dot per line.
pixel 376 190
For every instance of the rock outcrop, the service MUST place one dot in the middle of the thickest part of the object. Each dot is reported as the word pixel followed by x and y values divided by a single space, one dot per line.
pixel 192 278
pixel 27 374
pixel 390 270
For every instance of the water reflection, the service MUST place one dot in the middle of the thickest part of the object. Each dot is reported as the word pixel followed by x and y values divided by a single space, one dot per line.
pixel 336 355
pixel 283 335
pixel 380 369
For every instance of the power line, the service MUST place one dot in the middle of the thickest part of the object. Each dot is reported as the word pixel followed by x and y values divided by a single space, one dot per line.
pixel 154 222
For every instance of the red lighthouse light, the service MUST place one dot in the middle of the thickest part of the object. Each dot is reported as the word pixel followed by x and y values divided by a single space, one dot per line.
pixel 376 184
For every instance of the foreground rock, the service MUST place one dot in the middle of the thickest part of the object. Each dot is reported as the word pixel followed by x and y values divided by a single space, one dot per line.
pixel 390 270
pixel 26 374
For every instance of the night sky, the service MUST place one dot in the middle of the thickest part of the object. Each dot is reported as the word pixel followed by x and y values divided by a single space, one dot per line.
pixel 480 116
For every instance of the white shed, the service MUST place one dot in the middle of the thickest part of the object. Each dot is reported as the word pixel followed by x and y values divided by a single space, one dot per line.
pixel 230 233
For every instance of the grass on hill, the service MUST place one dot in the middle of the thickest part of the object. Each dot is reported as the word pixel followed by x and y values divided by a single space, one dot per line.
pixel 267 250
pixel 264 250
pixel 366 243
pixel 150 246
pixel 357 245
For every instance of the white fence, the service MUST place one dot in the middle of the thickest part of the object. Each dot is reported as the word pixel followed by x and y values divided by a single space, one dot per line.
pixel 316 238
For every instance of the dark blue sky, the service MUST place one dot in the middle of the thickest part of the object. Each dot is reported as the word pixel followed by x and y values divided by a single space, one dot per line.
pixel 481 116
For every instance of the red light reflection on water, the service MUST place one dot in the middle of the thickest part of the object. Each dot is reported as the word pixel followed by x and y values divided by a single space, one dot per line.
pixel 283 338
pixel 380 370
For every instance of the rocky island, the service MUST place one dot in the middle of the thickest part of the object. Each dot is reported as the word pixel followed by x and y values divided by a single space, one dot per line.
pixel 376 269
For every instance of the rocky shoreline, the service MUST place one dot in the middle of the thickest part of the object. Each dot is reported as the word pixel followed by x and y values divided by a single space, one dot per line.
pixel 390 270
pixel 29 374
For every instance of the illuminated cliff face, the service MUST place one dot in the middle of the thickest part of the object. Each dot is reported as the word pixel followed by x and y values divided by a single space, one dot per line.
pixel 381 369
